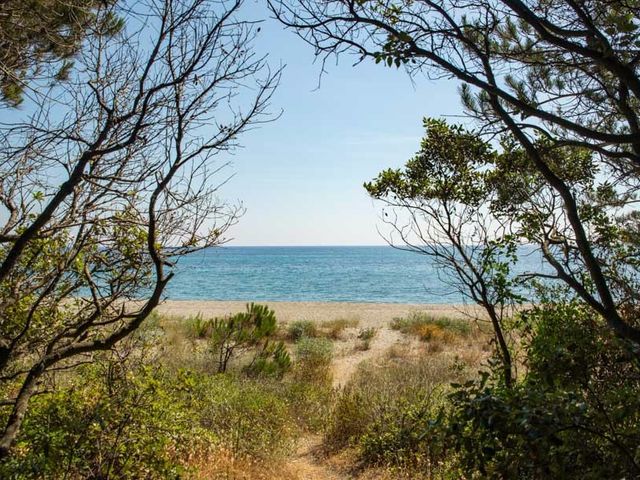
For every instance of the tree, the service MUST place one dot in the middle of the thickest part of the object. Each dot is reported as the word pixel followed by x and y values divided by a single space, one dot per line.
pixel 39 38
pixel 243 331
pixel 553 75
pixel 438 207
pixel 114 178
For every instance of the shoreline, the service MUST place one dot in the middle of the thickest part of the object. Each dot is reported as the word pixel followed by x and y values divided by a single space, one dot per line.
pixel 369 314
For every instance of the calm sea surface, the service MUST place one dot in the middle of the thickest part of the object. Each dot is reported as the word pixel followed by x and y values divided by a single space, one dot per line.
pixel 324 274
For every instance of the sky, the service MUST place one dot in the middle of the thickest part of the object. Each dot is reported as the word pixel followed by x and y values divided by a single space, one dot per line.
pixel 300 178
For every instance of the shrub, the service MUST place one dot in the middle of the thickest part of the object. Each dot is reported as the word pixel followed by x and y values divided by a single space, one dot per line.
pixel 272 361
pixel 249 417
pixel 574 414
pixel 198 328
pixel 310 402
pixel 313 360
pixel 240 332
pixel 403 437
pixel 429 328
pixel 302 329
pixel 132 425
pixel 384 410
pixel 366 335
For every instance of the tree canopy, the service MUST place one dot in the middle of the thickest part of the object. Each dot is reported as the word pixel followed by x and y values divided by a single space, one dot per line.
pixel 39 39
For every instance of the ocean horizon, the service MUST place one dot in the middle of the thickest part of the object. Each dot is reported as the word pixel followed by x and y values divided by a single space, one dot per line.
pixel 365 273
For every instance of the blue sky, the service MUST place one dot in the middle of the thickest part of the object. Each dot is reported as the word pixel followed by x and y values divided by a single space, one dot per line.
pixel 300 178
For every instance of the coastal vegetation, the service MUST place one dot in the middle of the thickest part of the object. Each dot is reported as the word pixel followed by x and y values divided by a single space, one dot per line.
pixel 157 406
pixel 108 178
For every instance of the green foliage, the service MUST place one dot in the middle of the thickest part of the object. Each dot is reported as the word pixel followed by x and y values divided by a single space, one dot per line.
pixel 241 331
pixel 197 327
pixel 574 414
pixel 446 188
pixel 445 168
pixel 107 423
pixel 301 329
pixel 27 53
pixel 404 437
pixel 112 420
pixel 273 360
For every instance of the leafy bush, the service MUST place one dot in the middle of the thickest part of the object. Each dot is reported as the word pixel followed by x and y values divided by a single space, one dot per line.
pixel 302 329
pixel 574 414
pixel 148 423
pixel 132 425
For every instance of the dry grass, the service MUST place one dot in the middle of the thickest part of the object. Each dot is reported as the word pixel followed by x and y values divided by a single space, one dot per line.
pixel 366 335
pixel 222 464
pixel 397 371
pixel 424 324
pixel 334 329
pixel 442 334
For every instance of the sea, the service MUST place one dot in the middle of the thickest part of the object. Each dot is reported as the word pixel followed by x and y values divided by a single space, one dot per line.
pixel 378 274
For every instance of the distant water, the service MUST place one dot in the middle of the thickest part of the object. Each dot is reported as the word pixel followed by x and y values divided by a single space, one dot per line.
pixel 323 274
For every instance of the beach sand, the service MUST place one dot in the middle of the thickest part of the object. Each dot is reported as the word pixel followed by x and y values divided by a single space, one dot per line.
pixel 369 314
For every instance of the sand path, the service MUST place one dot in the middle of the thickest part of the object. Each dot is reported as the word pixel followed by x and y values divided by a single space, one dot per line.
pixel 308 463
pixel 345 365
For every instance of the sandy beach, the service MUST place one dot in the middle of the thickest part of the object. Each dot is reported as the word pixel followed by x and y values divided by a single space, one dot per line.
pixel 369 314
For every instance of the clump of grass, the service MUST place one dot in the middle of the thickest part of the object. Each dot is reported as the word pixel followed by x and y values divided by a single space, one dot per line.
pixel 249 417
pixel 333 329
pixel 439 330
pixel 366 335
pixel 302 329
pixel 313 360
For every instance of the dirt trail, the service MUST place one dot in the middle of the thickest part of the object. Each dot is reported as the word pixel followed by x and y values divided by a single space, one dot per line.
pixel 308 462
